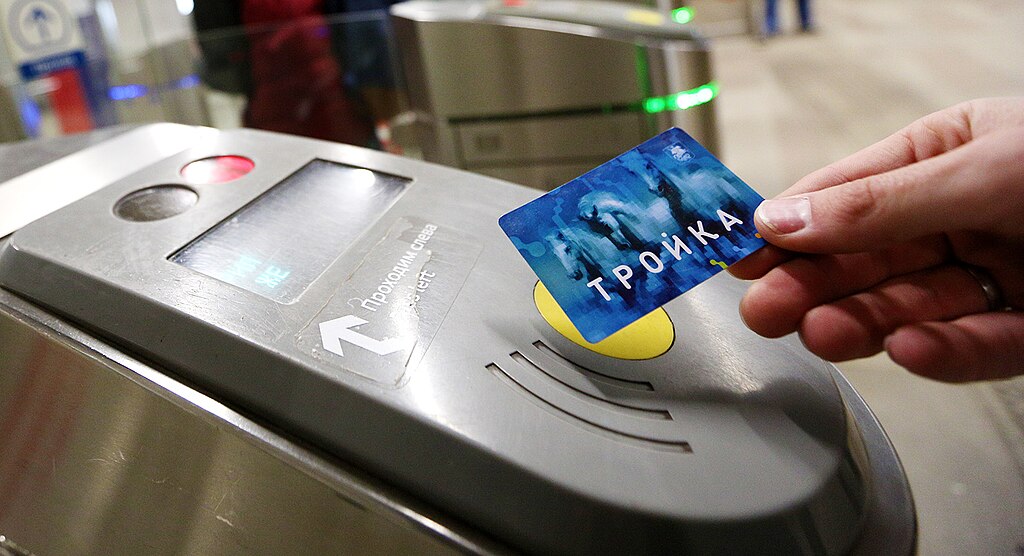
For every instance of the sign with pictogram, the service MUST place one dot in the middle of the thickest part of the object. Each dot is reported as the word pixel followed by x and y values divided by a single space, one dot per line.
pixel 337 331
pixel 43 36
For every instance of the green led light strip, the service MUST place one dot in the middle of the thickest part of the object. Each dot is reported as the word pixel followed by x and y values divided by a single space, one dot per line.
pixel 682 15
pixel 682 100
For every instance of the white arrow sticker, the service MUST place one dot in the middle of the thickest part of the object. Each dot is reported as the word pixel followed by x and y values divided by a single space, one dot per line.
pixel 336 331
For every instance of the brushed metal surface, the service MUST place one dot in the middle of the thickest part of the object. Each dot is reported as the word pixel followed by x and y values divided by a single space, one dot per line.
pixel 530 71
pixel 218 479
pixel 514 70
pixel 547 175
pixel 549 139
pixel 23 198
pixel 104 454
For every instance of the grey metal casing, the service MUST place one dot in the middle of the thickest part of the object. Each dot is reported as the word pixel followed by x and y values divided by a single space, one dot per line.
pixel 104 454
pixel 726 444
pixel 541 92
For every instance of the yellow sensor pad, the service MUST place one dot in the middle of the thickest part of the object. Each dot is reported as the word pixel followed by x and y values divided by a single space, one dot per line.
pixel 646 338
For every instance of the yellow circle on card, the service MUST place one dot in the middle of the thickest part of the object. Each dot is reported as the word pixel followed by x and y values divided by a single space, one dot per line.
pixel 646 338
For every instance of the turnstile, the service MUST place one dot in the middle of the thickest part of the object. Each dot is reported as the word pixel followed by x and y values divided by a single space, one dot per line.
pixel 540 91
pixel 250 342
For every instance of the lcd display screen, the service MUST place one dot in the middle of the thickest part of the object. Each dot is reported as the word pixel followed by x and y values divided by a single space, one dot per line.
pixel 280 243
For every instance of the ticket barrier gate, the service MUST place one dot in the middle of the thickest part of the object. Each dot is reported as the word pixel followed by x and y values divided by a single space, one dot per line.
pixel 539 91
pixel 243 342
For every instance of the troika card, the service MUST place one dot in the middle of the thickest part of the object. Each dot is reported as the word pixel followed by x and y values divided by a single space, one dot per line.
pixel 636 232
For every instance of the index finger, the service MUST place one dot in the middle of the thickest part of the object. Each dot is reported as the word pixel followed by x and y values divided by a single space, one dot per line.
pixel 929 136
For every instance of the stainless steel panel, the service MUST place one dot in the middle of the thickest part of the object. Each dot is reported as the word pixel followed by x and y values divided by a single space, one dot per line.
pixel 109 450
pixel 544 176
pixel 487 69
pixel 105 455
pixel 556 138
pixel 474 59
pixel 681 66
pixel 476 69
pixel 23 199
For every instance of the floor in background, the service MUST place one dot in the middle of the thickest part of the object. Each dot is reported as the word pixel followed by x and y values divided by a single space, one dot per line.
pixel 797 102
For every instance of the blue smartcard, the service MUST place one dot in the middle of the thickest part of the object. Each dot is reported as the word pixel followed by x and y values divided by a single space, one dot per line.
pixel 636 232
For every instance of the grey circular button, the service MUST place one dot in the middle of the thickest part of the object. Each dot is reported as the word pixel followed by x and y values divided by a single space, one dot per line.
pixel 155 203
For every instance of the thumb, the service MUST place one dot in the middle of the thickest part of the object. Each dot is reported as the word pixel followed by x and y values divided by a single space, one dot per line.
pixel 957 190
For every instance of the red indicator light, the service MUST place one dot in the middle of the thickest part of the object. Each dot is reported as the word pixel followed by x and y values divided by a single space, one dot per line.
pixel 217 169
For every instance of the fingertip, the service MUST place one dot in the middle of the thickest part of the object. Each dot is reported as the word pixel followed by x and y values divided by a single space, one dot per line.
pixel 837 333
pixel 815 333
pixel 758 263
pixel 921 349
pixel 777 218
pixel 745 270
pixel 748 312
pixel 764 230
pixel 906 347
pixel 758 311
pixel 982 346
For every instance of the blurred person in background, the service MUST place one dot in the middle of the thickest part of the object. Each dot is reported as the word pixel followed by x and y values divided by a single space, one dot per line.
pixel 360 34
pixel 296 83
pixel 771 20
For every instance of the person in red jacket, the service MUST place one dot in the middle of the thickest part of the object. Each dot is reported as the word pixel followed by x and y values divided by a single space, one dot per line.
pixel 296 81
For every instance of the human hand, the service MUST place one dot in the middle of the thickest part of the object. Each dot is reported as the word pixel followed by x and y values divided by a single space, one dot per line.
pixel 870 253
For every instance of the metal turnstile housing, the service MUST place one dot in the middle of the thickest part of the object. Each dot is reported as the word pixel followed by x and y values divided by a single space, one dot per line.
pixel 185 443
pixel 540 92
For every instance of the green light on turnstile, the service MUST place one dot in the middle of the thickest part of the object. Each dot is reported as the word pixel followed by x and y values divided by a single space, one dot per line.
pixel 653 105
pixel 682 100
pixel 682 15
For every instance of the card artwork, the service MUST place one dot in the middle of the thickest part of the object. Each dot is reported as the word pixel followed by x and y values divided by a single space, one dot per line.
pixel 636 232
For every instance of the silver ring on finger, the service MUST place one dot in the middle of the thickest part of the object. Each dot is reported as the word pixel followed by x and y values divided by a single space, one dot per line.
pixel 989 287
